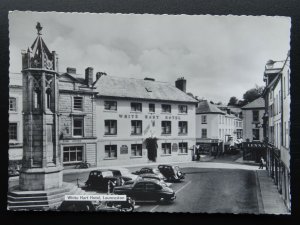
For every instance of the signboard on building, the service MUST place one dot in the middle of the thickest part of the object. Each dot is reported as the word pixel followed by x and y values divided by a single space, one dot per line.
pixel 124 149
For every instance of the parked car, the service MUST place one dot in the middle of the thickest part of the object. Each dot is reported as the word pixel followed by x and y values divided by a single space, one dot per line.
pixel 147 170
pixel 147 190
pixel 172 173
pixel 124 173
pixel 88 206
pixel 99 179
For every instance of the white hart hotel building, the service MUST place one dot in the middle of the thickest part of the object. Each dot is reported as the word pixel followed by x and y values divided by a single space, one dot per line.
pixel 128 111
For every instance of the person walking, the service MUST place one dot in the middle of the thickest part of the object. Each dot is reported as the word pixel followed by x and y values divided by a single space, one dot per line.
pixel 261 163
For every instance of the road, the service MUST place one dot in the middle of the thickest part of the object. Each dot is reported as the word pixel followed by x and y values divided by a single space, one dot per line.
pixel 212 191
pixel 206 190
pixel 220 186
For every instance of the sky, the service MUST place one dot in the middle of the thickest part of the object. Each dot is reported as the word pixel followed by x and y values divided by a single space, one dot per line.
pixel 219 56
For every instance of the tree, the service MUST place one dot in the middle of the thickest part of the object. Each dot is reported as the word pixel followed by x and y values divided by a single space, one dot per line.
pixel 252 94
pixel 233 101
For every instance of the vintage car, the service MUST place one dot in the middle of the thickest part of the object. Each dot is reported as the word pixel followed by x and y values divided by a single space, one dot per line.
pixel 152 176
pixel 147 190
pixel 99 179
pixel 88 206
pixel 147 170
pixel 172 173
pixel 124 173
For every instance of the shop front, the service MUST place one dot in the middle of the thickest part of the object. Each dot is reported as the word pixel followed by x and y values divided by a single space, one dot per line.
pixel 209 146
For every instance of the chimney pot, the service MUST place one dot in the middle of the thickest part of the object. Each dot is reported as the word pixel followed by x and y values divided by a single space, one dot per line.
pixel 99 74
pixel 71 70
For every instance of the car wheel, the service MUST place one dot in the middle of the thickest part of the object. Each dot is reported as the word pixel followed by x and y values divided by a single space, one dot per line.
pixel 128 209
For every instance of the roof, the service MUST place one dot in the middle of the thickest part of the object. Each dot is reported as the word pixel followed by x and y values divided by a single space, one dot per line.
pixel 257 103
pixel 71 78
pixel 205 107
pixel 140 89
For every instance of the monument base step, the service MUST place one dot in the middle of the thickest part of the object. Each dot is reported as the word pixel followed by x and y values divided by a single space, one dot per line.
pixel 40 200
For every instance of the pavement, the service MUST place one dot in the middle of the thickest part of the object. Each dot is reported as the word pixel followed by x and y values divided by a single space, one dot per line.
pixel 272 202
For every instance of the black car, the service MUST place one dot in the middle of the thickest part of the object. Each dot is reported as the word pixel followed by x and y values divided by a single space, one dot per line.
pixel 87 206
pixel 148 170
pixel 172 173
pixel 124 173
pixel 147 190
pixel 100 179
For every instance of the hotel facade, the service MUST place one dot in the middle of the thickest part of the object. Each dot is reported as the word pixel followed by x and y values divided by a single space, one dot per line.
pixel 129 111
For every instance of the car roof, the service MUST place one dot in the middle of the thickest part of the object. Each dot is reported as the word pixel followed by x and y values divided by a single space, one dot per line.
pixel 148 175
pixel 102 170
pixel 145 180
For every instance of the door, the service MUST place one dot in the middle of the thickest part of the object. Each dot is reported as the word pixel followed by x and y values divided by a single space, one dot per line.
pixel 152 192
pixel 151 146
pixel 138 191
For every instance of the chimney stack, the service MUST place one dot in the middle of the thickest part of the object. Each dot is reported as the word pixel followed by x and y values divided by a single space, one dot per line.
pixel 89 75
pixel 180 83
pixel 71 70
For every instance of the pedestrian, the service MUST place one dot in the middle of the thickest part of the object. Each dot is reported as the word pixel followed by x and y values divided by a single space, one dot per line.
pixel 261 163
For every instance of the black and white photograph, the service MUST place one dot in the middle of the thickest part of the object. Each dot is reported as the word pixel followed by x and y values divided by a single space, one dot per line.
pixel 112 112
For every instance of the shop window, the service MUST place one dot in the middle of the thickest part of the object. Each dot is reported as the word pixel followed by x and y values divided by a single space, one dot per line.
pixel 182 109
pixel 136 149
pixel 255 116
pixel 183 147
pixel 204 133
pixel 110 105
pixel 136 127
pixel 166 148
pixel 183 127
pixel 13 131
pixel 136 107
pixel 203 119
pixel 151 107
pixel 110 151
pixel 255 133
pixel 77 103
pixel 166 127
pixel 110 127
pixel 12 104
pixel 166 108
pixel 72 154
pixel 78 126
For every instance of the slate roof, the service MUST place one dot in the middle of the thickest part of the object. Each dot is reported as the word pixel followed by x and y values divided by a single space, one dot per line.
pixel 205 107
pixel 140 89
pixel 257 103
pixel 72 77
